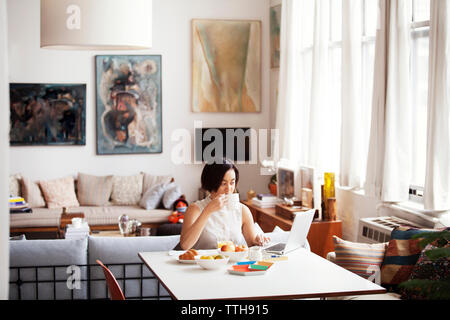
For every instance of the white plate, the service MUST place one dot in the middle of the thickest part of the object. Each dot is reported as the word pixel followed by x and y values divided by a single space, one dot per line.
pixel 177 254
pixel 186 261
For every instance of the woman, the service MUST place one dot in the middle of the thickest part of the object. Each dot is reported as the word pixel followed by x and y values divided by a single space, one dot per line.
pixel 209 220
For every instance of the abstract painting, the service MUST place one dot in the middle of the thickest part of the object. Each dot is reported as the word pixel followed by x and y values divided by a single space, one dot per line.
pixel 275 23
pixel 226 70
pixel 128 104
pixel 47 114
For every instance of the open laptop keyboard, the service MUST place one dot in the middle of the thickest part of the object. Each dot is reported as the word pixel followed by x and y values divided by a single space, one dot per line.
pixel 276 247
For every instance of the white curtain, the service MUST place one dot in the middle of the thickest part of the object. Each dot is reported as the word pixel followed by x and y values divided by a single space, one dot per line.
pixel 388 166
pixel 437 178
pixel 288 104
pixel 320 120
pixel 4 149
pixel 308 116
pixel 351 153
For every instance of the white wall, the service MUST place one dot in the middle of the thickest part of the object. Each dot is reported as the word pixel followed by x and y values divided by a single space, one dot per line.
pixel 4 159
pixel 171 39
pixel 351 207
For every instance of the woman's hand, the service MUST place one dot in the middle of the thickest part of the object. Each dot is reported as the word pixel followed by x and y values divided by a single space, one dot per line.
pixel 261 240
pixel 217 202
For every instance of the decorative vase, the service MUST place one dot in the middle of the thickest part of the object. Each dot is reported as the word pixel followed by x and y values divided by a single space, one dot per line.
pixel 123 224
pixel 133 226
pixel 328 189
pixel 251 194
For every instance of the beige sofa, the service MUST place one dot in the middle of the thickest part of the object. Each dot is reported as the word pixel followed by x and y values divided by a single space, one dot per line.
pixel 95 216
pixel 100 214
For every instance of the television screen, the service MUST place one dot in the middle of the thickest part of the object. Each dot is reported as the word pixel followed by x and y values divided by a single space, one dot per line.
pixel 216 143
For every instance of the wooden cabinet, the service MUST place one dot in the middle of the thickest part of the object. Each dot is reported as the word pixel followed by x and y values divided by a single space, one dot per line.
pixel 320 236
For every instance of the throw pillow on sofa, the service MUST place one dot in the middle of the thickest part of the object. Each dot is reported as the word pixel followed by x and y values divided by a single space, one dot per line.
pixel 151 180
pixel 32 194
pixel 172 193
pixel 59 193
pixel 153 197
pixel 361 258
pixel 127 190
pixel 401 255
pixel 94 190
pixel 14 185
pixel 429 279
pixel 427 268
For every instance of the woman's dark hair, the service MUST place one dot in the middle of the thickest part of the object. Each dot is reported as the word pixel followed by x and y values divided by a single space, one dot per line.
pixel 213 173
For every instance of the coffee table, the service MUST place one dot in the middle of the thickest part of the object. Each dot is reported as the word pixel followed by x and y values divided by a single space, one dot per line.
pixel 108 233
pixel 303 275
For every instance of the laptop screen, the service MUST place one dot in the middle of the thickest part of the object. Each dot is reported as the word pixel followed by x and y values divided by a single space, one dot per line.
pixel 299 230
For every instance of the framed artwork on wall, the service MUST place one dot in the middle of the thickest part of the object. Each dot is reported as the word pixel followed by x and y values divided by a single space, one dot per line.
pixel 275 27
pixel 226 65
pixel 128 104
pixel 47 114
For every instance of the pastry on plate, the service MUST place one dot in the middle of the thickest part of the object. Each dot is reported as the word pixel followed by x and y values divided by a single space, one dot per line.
pixel 189 255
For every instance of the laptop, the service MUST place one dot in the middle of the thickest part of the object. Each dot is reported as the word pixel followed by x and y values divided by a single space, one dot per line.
pixel 297 236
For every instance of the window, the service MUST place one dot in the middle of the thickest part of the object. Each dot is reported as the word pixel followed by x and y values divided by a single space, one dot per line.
pixel 331 85
pixel 369 28
pixel 320 56
pixel 334 85
pixel 420 26
pixel 322 65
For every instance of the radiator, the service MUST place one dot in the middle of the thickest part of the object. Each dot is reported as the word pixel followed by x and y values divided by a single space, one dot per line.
pixel 378 229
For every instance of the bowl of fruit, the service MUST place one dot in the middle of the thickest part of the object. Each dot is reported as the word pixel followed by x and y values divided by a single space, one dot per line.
pixel 234 252
pixel 214 261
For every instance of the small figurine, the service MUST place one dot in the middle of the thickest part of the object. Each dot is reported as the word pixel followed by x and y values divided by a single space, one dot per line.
pixel 179 208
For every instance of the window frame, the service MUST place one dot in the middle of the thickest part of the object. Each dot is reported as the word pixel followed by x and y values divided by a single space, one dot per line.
pixel 418 29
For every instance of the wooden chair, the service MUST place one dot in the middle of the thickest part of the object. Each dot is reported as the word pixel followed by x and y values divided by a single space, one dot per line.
pixel 113 287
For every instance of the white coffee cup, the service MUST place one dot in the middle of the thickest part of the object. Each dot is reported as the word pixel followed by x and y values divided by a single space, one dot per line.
pixel 233 201
pixel 255 253
pixel 76 222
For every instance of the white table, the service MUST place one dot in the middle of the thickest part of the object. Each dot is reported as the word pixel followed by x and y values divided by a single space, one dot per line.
pixel 303 275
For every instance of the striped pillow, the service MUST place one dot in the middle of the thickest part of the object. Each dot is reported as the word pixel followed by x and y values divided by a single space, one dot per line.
pixel 93 190
pixel 361 258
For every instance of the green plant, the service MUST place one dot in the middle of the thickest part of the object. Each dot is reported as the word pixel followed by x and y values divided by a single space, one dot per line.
pixel 429 288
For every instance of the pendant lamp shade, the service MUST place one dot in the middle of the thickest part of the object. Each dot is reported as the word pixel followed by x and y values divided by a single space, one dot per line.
pixel 96 24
